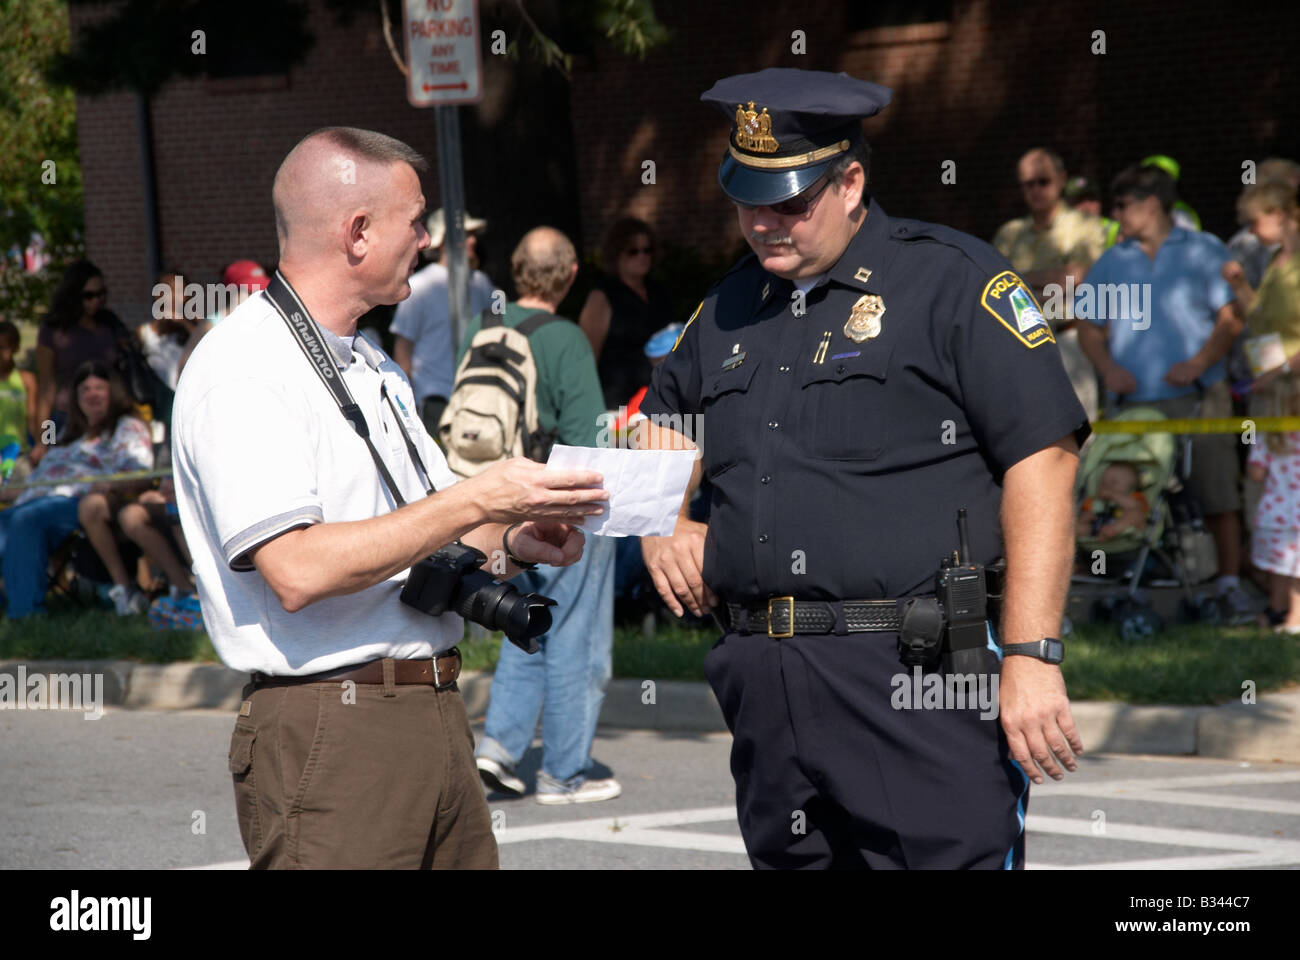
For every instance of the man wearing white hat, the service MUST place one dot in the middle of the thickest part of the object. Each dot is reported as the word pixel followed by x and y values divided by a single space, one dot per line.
pixel 421 326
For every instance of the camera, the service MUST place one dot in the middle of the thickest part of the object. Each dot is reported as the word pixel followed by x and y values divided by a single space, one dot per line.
pixel 452 580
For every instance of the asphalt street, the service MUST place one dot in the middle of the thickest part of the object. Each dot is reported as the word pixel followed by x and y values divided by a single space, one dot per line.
pixel 146 789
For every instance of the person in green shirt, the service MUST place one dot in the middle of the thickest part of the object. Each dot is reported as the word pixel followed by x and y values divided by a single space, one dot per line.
pixel 17 405
pixel 564 684
pixel 568 388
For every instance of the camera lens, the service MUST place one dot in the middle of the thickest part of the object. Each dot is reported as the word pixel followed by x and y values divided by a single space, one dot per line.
pixel 499 606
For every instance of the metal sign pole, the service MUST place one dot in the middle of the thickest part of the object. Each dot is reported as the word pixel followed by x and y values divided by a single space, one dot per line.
pixel 444 69
pixel 453 208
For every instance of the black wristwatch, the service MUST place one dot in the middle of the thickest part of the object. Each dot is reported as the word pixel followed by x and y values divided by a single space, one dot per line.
pixel 1049 650
pixel 505 543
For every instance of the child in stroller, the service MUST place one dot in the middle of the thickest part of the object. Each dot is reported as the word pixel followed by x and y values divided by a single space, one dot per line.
pixel 1139 529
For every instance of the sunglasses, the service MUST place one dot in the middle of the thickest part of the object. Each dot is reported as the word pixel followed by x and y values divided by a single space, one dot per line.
pixel 794 207
pixel 1036 182
pixel 94 294
pixel 637 251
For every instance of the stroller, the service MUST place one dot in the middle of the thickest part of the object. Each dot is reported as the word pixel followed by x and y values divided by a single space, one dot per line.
pixel 1173 550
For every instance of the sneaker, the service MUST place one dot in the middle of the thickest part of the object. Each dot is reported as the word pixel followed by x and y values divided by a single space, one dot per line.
pixel 498 777
pixel 127 603
pixel 1238 606
pixel 552 791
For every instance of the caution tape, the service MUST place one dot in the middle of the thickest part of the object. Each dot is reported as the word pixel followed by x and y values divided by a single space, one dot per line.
pixel 1208 425
pixel 125 477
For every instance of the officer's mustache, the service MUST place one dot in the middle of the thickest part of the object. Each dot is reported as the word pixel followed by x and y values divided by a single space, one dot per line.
pixel 769 239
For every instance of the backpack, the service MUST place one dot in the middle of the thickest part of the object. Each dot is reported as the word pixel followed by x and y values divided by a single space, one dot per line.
pixel 492 412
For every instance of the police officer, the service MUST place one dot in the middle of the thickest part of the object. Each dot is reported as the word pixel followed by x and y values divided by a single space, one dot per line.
pixel 862 378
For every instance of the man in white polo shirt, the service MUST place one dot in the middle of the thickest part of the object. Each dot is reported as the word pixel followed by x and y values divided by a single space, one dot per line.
pixel 352 747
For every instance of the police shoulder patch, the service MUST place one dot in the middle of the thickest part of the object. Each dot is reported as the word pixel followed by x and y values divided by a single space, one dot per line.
pixel 1014 306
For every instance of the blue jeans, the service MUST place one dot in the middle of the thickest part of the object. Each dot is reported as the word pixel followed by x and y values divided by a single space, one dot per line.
pixel 564 683
pixel 27 535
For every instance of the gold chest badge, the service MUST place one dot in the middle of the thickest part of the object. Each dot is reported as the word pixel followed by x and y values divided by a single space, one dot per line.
pixel 864 318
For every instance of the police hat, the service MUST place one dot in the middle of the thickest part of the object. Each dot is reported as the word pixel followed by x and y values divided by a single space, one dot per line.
pixel 788 126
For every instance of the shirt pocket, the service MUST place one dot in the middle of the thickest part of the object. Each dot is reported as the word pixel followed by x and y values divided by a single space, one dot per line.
pixel 844 406
pixel 722 398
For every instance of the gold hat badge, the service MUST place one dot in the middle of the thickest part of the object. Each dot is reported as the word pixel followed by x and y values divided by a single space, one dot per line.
pixel 754 130
pixel 864 318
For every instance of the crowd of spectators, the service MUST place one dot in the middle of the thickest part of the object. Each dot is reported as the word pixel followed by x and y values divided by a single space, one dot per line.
pixel 89 404
pixel 1207 330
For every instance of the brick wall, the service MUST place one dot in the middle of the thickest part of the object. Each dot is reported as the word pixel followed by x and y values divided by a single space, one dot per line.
pixel 980 89
pixel 977 89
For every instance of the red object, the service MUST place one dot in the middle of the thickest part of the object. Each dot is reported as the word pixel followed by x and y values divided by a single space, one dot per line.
pixel 632 409
pixel 246 273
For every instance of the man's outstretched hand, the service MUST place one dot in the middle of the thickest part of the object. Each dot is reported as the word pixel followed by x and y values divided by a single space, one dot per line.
pixel 518 490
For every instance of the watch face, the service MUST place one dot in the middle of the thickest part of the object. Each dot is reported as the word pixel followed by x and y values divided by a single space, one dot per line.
pixel 1054 650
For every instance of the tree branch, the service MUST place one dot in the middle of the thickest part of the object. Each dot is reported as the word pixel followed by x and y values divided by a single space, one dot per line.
pixel 388 38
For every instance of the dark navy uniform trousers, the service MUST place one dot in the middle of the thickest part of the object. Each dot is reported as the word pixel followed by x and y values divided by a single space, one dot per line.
pixel 830 775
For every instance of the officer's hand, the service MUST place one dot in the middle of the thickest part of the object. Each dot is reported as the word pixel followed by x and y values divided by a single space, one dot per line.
pixel 1184 374
pixel 1035 713
pixel 676 564
pixel 518 490
pixel 1119 380
pixel 1233 272
pixel 547 541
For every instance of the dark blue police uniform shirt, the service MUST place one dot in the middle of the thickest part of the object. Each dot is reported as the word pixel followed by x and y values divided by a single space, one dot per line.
pixel 842 479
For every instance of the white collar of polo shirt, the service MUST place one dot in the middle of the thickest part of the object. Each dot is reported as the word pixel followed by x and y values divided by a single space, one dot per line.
pixel 341 347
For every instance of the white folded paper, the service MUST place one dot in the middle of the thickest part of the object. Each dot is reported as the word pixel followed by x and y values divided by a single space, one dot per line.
pixel 645 487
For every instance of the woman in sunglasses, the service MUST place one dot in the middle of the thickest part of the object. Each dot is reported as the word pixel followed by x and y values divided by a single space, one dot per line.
pixel 624 310
pixel 78 328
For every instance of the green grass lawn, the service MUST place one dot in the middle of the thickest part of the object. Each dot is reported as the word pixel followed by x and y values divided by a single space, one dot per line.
pixel 1185 664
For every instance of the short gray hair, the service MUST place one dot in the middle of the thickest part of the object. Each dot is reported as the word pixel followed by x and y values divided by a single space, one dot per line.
pixel 371 145
pixel 859 152
pixel 1054 158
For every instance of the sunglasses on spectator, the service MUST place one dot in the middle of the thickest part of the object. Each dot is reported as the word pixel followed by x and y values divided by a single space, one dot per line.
pixel 637 251
pixel 1036 182
pixel 796 206
pixel 94 294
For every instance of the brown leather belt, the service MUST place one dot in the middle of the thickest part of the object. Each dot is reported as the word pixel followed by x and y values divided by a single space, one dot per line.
pixel 440 673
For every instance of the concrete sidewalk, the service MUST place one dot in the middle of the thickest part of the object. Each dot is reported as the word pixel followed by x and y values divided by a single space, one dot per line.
pixel 1266 730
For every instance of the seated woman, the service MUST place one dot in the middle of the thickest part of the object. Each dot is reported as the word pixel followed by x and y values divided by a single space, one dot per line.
pixel 103 437
pixel 78 328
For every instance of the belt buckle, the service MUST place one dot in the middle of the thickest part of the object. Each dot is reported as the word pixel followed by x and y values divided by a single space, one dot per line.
pixel 437 674
pixel 780 636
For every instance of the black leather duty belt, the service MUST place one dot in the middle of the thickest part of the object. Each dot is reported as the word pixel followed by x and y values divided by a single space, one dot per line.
pixel 782 617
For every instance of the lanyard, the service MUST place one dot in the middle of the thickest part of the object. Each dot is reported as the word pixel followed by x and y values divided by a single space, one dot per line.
pixel 305 332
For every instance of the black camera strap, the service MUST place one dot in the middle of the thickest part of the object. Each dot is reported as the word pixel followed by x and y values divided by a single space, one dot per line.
pixel 305 332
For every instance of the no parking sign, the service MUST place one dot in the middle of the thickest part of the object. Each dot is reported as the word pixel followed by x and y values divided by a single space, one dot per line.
pixel 442 52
